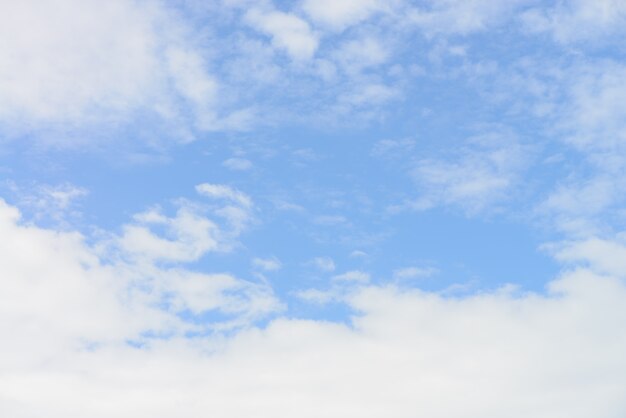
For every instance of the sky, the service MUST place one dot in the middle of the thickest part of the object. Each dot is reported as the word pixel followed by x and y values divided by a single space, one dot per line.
pixel 312 208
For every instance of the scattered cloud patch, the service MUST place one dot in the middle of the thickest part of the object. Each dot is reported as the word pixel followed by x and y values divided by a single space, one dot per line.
pixel 267 264
pixel 288 32
pixel 578 20
pixel 478 178
pixel 340 15
pixel 237 164
pixel 325 264
pixel 353 276
pixel 413 273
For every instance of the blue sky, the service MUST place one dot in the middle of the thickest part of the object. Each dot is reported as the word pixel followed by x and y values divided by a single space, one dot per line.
pixel 340 208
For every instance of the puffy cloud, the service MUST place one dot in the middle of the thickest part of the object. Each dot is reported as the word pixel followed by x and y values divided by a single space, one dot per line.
pixel 48 202
pixel 586 115
pixel 603 255
pixel 288 32
pixel 59 293
pixel 70 65
pixel 219 191
pixel 267 264
pixel 190 233
pixel 578 208
pixel 339 15
pixel 358 254
pixel 59 59
pixel 406 351
pixel 117 287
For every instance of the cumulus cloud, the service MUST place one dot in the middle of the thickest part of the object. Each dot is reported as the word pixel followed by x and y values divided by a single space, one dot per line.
pixel 189 234
pixel 496 353
pixel 603 255
pixel 62 293
pixel 63 66
pixel 287 31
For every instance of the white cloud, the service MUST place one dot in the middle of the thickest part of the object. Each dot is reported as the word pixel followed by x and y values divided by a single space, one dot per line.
pixel 267 264
pixel 413 272
pixel 358 254
pixel 324 263
pixel 476 179
pixel 219 191
pixel 338 15
pixel 70 64
pixel 320 297
pixel 359 54
pixel 57 293
pixel 353 276
pixel 576 208
pixel 579 20
pixel 61 58
pixel 288 32
pixel 193 82
pixel 63 195
pixel 603 255
pixel 201 293
pixel 45 201
pixel 494 354
pixel 237 164
pixel 462 16
pixel 189 235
